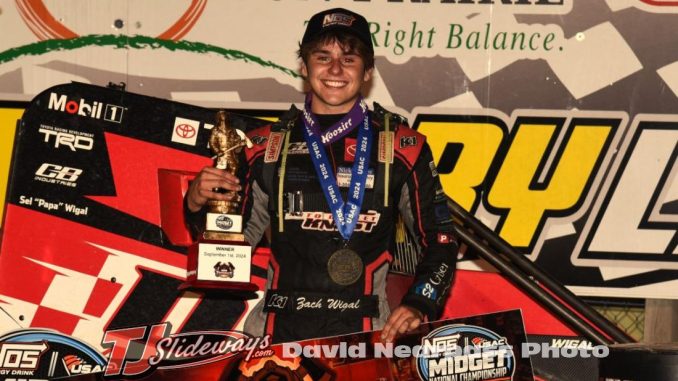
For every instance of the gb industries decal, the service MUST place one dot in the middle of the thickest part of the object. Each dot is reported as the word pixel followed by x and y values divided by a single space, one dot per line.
pixel 463 353
pixel 40 354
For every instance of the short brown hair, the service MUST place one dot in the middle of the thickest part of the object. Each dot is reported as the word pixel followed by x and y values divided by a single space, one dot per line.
pixel 348 42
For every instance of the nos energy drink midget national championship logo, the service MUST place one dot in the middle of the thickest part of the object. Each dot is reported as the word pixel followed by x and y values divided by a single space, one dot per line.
pixel 38 354
pixel 465 353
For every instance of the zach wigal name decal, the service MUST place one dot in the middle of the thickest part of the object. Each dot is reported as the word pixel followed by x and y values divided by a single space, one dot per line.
pixel 327 303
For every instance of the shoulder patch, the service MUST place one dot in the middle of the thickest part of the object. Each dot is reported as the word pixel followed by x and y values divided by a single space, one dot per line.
pixel 385 147
pixel 408 143
pixel 275 143
pixel 259 138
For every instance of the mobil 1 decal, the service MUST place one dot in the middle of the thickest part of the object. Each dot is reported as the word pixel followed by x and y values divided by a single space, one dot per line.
pixel 39 354
pixel 91 155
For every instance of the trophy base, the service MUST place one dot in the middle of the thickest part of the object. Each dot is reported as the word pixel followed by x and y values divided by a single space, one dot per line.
pixel 202 285
pixel 214 264
pixel 220 236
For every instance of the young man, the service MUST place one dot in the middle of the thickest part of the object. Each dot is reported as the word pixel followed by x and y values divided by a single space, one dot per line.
pixel 331 181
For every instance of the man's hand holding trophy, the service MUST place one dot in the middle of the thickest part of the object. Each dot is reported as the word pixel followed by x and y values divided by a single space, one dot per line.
pixel 222 258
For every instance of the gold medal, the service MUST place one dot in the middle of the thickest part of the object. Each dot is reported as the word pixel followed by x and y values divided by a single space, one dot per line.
pixel 345 267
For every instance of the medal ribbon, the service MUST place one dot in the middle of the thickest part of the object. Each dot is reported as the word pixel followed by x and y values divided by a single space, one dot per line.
pixel 345 213
pixel 339 129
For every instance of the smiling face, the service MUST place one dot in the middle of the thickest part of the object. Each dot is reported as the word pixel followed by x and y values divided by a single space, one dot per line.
pixel 335 75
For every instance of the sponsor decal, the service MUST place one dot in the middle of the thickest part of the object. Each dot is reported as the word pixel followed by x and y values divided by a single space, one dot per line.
pixel 325 221
pixel 439 275
pixel 224 222
pixel 185 131
pixel 445 238
pixel 344 178
pixel 73 140
pixel 338 19
pixel 83 107
pixel 57 174
pixel 113 113
pixel 76 365
pixel 524 208
pixel 277 301
pixel 224 270
pixel 426 290
pixel 327 136
pixel 40 354
pixel 160 350
pixel 408 141
pixel 258 139
pixel 564 348
pixel 385 154
pixel 592 179
pixel 571 343
pixel 274 146
pixel 465 352
pixel 349 149
pixel 617 231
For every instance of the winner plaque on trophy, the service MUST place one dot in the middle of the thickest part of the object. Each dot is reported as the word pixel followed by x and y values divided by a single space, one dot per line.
pixel 222 258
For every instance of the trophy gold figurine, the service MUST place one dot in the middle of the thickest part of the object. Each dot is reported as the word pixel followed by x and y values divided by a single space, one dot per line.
pixel 222 259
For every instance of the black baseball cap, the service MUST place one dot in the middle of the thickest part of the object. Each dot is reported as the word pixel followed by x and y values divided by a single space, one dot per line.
pixel 338 19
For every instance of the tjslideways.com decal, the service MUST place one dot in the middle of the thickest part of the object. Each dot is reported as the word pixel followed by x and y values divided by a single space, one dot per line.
pixel 138 351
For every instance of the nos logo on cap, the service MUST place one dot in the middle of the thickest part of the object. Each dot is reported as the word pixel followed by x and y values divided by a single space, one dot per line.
pixel 338 19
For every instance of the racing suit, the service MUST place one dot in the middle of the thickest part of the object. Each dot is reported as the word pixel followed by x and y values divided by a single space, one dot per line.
pixel 302 301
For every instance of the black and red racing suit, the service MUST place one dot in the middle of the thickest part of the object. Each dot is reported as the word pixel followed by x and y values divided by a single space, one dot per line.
pixel 302 301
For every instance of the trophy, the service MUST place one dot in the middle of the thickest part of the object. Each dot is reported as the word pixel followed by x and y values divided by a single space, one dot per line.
pixel 222 259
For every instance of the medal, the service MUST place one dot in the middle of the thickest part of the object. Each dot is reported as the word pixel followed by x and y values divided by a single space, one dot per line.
pixel 345 267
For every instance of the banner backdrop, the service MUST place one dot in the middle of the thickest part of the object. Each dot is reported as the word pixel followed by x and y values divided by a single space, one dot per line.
pixel 552 120
pixel 94 238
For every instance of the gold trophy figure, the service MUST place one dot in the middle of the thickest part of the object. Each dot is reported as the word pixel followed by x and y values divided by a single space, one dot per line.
pixel 226 143
pixel 221 259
